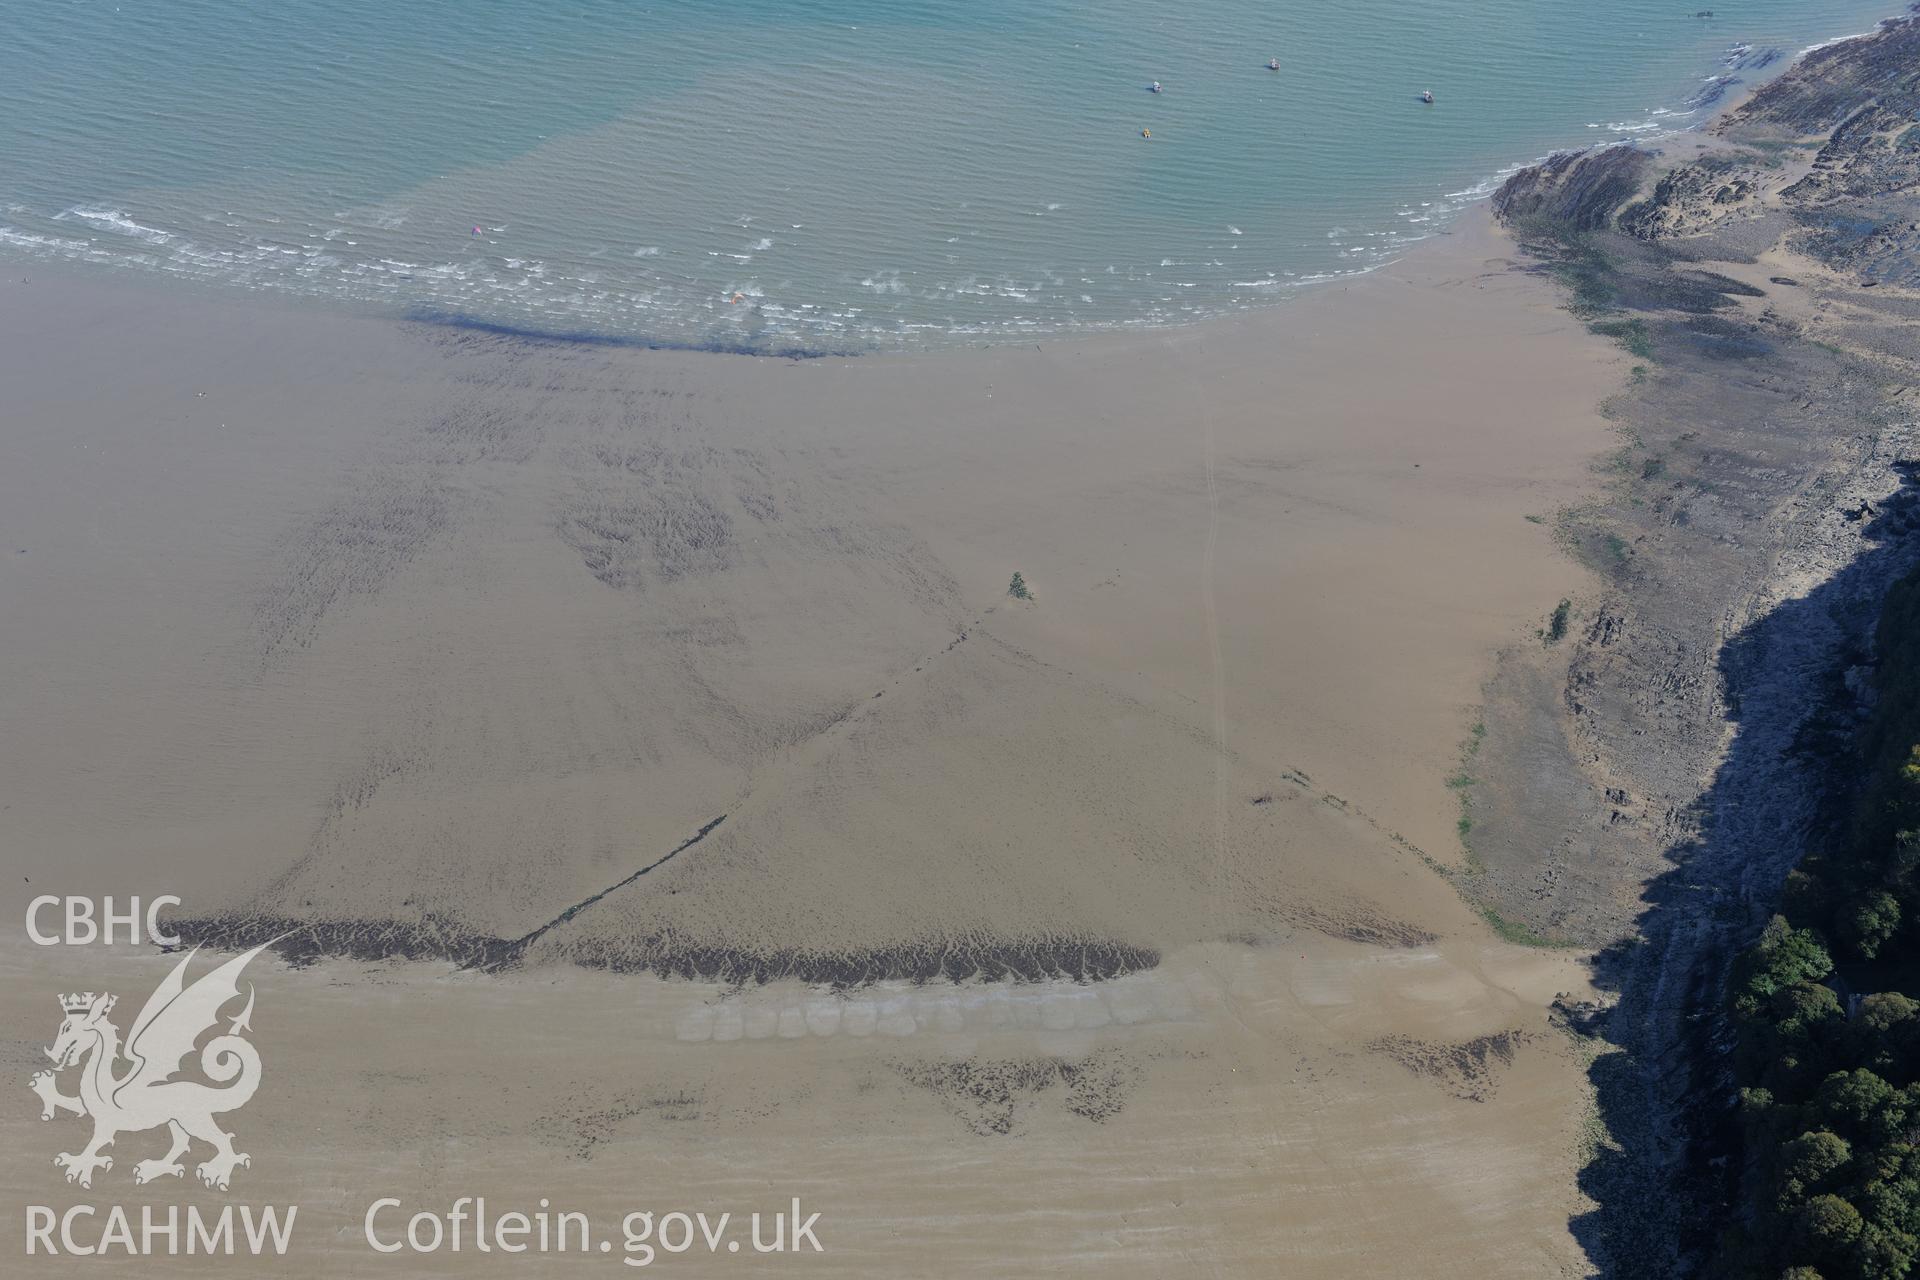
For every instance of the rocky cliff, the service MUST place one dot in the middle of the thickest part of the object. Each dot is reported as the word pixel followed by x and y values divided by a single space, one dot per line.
pixel 1646 782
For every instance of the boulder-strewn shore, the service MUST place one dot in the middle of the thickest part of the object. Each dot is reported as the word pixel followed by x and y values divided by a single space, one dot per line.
pixel 1646 781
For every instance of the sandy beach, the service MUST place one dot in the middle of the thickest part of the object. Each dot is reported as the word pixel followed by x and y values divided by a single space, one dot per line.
pixel 440 626
pixel 425 637
pixel 1071 807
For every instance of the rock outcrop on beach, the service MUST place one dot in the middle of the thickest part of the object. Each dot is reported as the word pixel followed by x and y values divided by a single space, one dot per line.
pixel 1576 189
pixel 1831 149
pixel 1644 787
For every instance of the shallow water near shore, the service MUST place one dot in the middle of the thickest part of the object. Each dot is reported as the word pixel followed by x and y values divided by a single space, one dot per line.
pixel 778 176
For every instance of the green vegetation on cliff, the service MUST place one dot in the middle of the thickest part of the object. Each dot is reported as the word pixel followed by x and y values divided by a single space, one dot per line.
pixel 1827 1007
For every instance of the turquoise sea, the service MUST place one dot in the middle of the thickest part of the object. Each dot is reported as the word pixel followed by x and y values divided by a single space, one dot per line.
pixel 783 174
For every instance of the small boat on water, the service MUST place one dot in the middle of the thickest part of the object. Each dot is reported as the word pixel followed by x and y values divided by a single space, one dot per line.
pixel 1273 64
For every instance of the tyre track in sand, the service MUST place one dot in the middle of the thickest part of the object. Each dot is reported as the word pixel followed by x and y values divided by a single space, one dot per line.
pixel 1209 608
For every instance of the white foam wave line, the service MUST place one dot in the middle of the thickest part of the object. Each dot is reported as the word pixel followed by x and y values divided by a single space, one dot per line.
pixel 115 220
pixel 27 240
pixel 1828 44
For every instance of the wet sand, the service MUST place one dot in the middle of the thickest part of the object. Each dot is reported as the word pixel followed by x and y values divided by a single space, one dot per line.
pixel 1247 1112
pixel 432 639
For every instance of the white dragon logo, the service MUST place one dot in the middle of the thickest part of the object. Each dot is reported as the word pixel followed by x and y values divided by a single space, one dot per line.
pixel 146 1095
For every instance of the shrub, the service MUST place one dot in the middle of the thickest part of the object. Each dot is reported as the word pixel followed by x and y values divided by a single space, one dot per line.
pixel 1884 1037
pixel 1783 956
pixel 1808 1163
pixel 1798 1033
pixel 1849 1100
pixel 1885 1253
pixel 1869 921
pixel 1825 1226
pixel 1557 624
